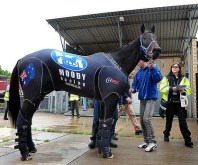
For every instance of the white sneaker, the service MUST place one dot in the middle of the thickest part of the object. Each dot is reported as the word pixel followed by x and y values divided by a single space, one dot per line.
pixel 143 145
pixel 151 147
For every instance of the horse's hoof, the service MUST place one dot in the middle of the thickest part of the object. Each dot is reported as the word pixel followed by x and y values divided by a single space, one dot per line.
pixel 26 158
pixel 108 156
pixel 32 150
pixel 99 151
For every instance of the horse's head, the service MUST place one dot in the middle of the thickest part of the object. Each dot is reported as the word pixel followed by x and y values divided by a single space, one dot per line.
pixel 148 44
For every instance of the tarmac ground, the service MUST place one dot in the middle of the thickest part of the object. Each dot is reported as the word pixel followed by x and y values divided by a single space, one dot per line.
pixel 61 139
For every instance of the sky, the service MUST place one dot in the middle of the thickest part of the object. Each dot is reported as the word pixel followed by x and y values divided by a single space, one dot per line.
pixel 24 29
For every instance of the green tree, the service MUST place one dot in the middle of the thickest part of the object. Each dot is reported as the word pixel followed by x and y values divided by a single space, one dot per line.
pixel 5 72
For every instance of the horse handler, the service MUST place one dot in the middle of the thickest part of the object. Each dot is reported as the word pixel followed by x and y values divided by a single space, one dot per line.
pixel 145 82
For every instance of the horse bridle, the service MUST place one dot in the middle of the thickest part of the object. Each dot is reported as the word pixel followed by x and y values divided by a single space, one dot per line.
pixel 143 48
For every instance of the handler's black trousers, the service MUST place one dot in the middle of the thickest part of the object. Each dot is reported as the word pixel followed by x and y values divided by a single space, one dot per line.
pixel 176 109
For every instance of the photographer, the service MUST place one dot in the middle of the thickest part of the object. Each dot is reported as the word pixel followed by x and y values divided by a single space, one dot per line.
pixel 172 87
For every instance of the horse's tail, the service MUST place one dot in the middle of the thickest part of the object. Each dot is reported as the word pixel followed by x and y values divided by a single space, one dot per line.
pixel 14 99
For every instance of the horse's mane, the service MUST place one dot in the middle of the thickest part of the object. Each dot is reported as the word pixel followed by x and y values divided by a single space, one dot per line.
pixel 127 44
pixel 126 53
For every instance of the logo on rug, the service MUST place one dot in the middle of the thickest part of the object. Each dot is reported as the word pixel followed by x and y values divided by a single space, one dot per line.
pixel 69 61
pixel 110 80
pixel 27 75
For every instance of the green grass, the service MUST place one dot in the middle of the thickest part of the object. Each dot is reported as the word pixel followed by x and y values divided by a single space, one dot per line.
pixel 3 126
pixel 6 140
pixel 37 140
pixel 82 132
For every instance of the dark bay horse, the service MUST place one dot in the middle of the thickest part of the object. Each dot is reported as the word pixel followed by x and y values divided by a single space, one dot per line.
pixel 102 76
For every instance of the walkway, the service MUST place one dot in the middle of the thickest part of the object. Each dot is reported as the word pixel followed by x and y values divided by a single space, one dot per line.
pixel 57 146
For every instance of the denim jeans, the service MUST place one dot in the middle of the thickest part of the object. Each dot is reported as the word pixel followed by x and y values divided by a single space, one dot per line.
pixel 146 113
pixel 84 99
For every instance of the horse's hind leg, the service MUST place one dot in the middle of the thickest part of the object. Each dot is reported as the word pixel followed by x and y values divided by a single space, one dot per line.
pixel 115 85
pixel 30 143
pixel 105 126
pixel 23 124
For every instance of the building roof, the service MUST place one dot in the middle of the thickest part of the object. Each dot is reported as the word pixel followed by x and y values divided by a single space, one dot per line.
pixel 100 32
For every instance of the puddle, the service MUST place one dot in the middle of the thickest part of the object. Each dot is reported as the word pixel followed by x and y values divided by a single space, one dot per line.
pixel 60 127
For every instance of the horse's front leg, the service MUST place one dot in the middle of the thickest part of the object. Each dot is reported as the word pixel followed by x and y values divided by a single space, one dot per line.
pixel 104 134
pixel 24 133
pixel 30 143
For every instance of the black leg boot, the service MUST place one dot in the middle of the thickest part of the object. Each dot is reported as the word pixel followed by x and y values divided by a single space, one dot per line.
pixel 166 136
pixel 104 137
pixel 22 131
pixel 92 144
pixel 22 142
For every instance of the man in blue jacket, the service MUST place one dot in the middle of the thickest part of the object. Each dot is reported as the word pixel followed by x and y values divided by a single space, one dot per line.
pixel 145 82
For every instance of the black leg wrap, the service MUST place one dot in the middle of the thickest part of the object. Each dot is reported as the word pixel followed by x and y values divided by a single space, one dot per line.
pixel 22 130
pixel 22 140
pixel 103 138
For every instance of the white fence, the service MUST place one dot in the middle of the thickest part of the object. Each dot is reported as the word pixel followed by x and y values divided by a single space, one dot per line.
pixel 55 102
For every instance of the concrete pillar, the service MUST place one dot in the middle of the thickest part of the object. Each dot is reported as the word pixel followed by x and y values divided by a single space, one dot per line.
pixel 194 71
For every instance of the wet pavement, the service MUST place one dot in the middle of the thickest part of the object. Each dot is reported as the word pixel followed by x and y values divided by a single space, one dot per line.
pixel 61 139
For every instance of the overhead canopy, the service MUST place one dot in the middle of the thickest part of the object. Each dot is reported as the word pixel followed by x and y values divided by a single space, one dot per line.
pixel 105 32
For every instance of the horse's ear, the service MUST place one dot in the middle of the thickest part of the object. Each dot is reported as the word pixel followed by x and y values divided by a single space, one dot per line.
pixel 153 29
pixel 142 28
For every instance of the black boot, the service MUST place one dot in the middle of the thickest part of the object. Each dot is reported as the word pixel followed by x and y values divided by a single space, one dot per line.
pixel 32 149
pixel 166 138
pixel 189 144
pixel 5 118
pixel 92 144
pixel 113 145
pixel 22 133
pixel 22 142
pixel 139 132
